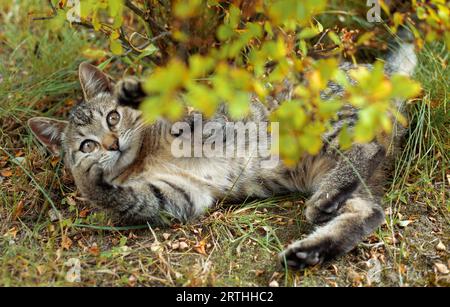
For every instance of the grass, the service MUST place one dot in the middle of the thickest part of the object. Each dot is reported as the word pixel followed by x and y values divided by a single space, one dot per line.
pixel 44 223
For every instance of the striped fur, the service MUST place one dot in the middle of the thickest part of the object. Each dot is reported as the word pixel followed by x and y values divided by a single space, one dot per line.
pixel 142 181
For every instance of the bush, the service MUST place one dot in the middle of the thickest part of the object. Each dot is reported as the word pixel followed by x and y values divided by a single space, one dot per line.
pixel 205 52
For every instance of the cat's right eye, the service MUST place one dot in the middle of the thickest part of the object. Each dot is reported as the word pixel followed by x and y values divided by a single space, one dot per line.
pixel 88 146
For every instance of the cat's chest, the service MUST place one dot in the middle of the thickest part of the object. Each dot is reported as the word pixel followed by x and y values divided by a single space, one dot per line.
pixel 212 174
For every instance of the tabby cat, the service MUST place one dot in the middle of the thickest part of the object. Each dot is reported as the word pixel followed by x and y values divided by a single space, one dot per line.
pixel 124 165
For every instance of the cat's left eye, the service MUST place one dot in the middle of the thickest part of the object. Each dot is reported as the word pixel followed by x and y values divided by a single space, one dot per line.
pixel 113 118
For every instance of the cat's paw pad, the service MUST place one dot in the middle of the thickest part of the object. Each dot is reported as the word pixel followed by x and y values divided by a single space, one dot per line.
pixel 302 254
pixel 129 91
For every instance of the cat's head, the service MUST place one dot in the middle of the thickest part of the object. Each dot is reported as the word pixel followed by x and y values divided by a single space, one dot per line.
pixel 99 130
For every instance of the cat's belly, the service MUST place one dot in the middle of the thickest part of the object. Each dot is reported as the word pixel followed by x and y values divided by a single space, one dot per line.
pixel 207 181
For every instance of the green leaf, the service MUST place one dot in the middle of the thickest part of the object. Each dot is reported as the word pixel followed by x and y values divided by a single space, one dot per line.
pixel 102 65
pixel 187 8
pixel 86 8
pixel 239 106
pixel 200 65
pixel 115 7
pixel 166 80
pixel 235 14
pixel 345 138
pixel 290 112
pixel 202 98
pixel 224 32
pixel 303 48
pixel 307 33
pixel 365 128
pixel 329 108
pixel 58 21
pixel 115 46
pixel 334 37
pixel 404 87
pixel 311 143
pixel 149 50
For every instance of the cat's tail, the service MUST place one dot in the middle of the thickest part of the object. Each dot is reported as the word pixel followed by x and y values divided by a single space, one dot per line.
pixel 402 59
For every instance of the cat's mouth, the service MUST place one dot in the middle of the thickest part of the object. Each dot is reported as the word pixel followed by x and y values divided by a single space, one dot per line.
pixel 127 160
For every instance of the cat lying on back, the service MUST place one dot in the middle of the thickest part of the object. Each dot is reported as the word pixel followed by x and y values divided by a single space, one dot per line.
pixel 123 165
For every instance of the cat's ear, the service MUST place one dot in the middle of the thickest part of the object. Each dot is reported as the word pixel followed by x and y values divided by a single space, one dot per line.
pixel 93 81
pixel 48 131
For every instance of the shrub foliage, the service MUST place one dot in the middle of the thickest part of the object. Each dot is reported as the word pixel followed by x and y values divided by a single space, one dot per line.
pixel 201 53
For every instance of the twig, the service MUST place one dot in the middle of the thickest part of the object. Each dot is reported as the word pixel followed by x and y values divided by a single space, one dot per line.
pixel 83 24
pixel 135 9
pixel 43 18
pixel 159 36
pixel 52 6
pixel 54 12
pixel 144 15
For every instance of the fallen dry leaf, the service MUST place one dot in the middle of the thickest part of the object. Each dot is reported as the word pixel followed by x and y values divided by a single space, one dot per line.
pixel 374 272
pixel 54 161
pixel 404 223
pixel 11 232
pixel 41 269
pixel 94 250
pixel 183 246
pixel 200 247
pixel 54 215
pixel 6 172
pixel 440 246
pixel 66 242
pixel 132 280
pixel 156 247
pixel 19 153
pixel 175 245
pixel 74 273
pixel 19 160
pixel 259 272
pixel 441 268
pixel 83 213
pixel 354 277
pixel 18 211
pixel 274 283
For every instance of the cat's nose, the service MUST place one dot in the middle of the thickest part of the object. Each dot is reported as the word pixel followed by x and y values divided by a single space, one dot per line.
pixel 110 142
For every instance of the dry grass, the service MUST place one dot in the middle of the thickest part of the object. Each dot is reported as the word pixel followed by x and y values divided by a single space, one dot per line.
pixel 44 223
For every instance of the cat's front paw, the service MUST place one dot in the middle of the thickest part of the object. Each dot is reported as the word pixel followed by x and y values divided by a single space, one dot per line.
pixel 130 92
pixel 302 254
pixel 94 177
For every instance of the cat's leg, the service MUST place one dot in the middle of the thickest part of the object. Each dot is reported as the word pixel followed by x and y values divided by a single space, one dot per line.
pixel 129 92
pixel 356 218
pixel 353 169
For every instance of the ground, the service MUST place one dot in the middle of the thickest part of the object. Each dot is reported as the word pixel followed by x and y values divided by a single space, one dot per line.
pixel 50 236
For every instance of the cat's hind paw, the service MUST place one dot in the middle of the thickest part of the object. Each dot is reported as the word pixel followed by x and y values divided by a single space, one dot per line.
pixel 324 204
pixel 302 254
